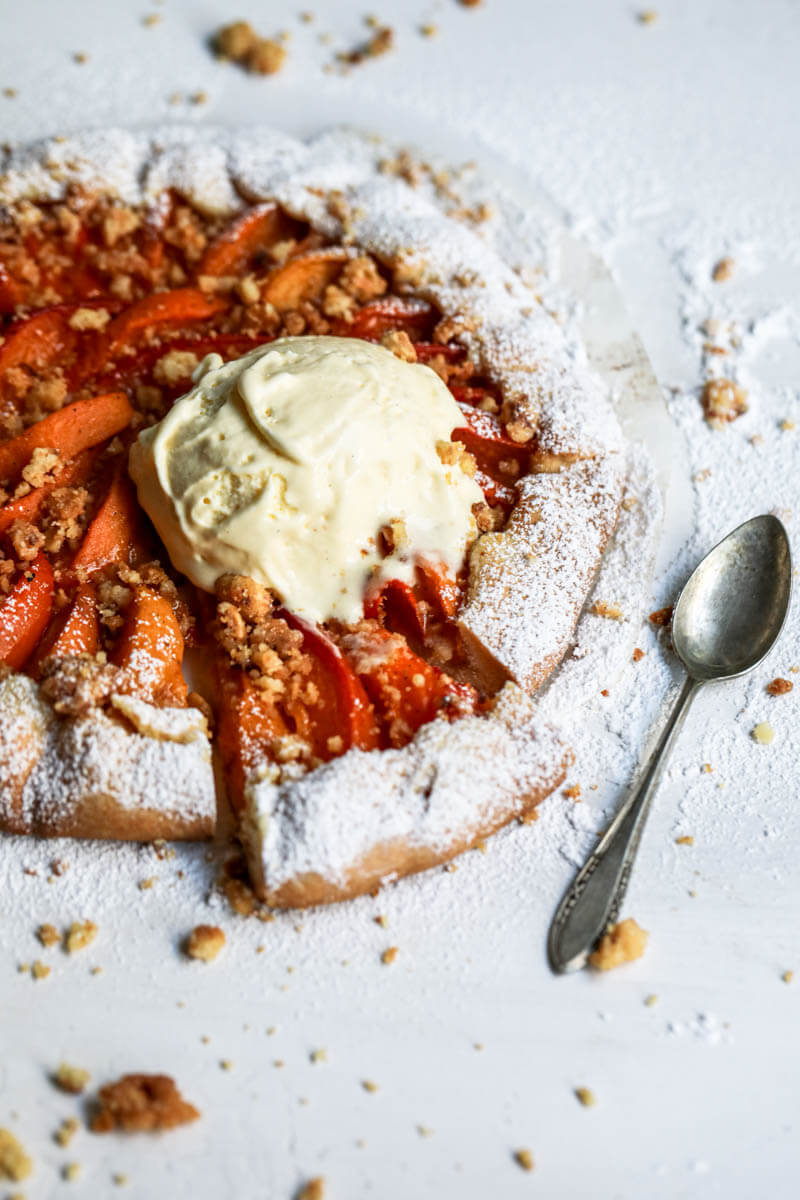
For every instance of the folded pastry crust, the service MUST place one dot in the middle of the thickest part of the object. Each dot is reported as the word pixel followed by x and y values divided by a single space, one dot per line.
pixel 133 771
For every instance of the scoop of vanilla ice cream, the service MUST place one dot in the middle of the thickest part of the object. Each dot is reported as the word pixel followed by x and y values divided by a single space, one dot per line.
pixel 284 465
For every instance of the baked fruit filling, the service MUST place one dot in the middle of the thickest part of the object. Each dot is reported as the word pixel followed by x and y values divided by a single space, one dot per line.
pixel 108 316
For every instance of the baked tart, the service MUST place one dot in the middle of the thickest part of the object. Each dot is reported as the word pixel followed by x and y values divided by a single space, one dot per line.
pixel 302 499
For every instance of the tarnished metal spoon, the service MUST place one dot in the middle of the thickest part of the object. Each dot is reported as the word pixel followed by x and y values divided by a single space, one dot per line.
pixel 726 620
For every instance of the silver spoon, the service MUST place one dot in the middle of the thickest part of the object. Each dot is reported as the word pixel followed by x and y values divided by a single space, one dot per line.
pixel 726 621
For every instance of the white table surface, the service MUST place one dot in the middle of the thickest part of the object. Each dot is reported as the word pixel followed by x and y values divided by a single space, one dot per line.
pixel 667 145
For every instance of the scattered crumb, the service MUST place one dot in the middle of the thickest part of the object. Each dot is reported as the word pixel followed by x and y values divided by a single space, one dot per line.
pixel 80 56
pixel 605 692
pixel 70 1171
pixel 144 885
pixel 320 1055
pixel 368 1085
pixel 152 19
pixel 48 935
pixel 763 733
pixel 66 1131
pixel 79 935
pixel 9 92
pixel 424 1131
pixel 389 955
pixel 14 1162
pixel 381 42
pixel 586 1096
pixel 723 269
pixel 119 1179
pixel 661 617
pixel 200 97
pixel 787 976
pixel 707 768
pixel 651 1000
pixel 638 654
pixel 524 1158
pixel 685 840
pixel 779 687
pixel 722 401
pixel 381 920
pixel 141 1103
pixel 96 971
pixel 70 1079
pixel 611 611
pixel 225 1064
pixel 622 943
pixel 313 1190
pixel 574 792
pixel 39 970
pixel 429 30
pixel 240 43
pixel 204 942
pixel 787 426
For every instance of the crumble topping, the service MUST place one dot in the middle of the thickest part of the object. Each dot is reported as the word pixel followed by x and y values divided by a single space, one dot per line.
pixel 141 1104
pixel 15 1164
pixel 239 43
pixel 205 942
pixel 263 644
pixel 723 401
pixel 79 935
pixel 622 943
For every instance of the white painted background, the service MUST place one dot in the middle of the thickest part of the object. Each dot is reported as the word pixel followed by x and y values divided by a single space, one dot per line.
pixel 666 145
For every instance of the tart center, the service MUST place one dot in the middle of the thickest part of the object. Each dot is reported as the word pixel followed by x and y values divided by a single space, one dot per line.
pixel 287 464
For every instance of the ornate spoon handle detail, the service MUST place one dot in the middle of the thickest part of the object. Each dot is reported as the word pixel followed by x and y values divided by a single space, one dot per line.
pixel 593 900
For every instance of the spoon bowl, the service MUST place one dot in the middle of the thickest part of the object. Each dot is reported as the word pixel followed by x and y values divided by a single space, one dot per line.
pixel 735 604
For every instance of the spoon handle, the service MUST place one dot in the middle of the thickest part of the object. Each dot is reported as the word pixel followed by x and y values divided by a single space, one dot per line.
pixel 593 900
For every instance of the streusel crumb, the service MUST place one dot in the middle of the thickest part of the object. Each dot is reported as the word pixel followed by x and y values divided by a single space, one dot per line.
pixel 79 935
pixel 612 611
pixel 313 1190
pixel 48 935
pixel 142 1104
pixel 389 955
pixel 66 1131
pixel 622 943
pixel 70 1079
pixel 780 687
pixel 15 1164
pixel 400 344
pixel 205 942
pixel 723 401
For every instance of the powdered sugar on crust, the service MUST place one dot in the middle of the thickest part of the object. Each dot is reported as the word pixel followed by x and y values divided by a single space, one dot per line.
pixel 97 776
pixel 310 836
pixel 528 583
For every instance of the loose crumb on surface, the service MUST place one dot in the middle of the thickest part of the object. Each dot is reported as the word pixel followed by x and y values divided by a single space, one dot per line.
pixel 48 935
pixel 651 1000
pixel 320 1055
pixel 141 1104
pixel 204 942
pixel 70 1079
pixel 611 611
pixel 523 1158
pixel 239 43
pixel 368 1085
pixel 723 401
pixel 647 16
pixel 661 617
pixel 381 42
pixel 79 935
pixel 574 792
pixel 763 733
pixel 685 839
pixel 787 976
pixel 780 687
pixel 389 955
pixel 66 1131
pixel 70 1171
pixel 723 269
pixel 15 1164
pixel 586 1096
pixel 118 1179
pixel 313 1190
pixel 638 654
pixel 622 943
pixel 39 970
